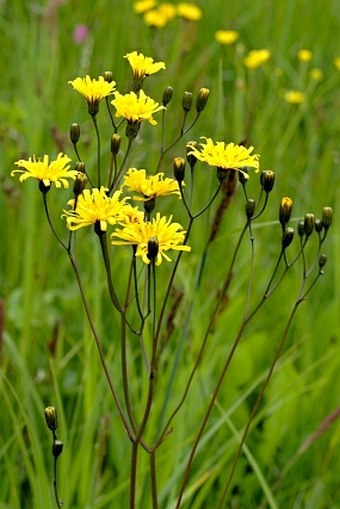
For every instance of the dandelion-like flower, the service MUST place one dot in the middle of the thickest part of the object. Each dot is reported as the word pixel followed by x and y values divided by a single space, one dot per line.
pixel 159 17
pixel 226 156
pixel 189 11
pixel 57 171
pixel 93 91
pixel 136 108
pixel 143 66
pixel 305 55
pixel 316 74
pixel 160 231
pixel 337 63
pixel 294 97
pixel 256 58
pixel 143 5
pixel 95 206
pixel 149 186
pixel 226 37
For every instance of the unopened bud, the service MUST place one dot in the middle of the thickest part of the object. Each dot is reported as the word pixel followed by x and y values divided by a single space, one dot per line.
pixel 327 217
pixel 202 99
pixel 108 76
pixel 318 225
pixel 187 101
pixel 79 184
pixel 179 169
pixel 287 237
pixel 153 248
pixel 191 158
pixel 115 143
pixel 322 260
pixel 286 207
pixel 267 179
pixel 74 133
pixel 167 95
pixel 51 417
pixel 243 176
pixel 309 223
pixel 57 448
pixel 80 166
pixel 301 228
pixel 250 208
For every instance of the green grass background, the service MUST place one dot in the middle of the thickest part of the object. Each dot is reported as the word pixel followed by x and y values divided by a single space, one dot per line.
pixel 39 295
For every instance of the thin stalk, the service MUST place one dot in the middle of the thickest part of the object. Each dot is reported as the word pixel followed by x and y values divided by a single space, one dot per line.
pixel 153 478
pixel 95 123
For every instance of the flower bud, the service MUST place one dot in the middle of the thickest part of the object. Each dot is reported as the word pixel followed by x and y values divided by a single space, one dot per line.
pixel 79 184
pixel 202 99
pixel 74 133
pixel 287 237
pixel 267 179
pixel 250 208
pixel 191 158
pixel 327 217
pixel 301 228
pixel 167 95
pixel 80 167
pixel 153 248
pixel 51 417
pixel 286 207
pixel 57 448
pixel 187 101
pixel 322 260
pixel 115 143
pixel 108 76
pixel 243 176
pixel 179 169
pixel 318 225
pixel 309 223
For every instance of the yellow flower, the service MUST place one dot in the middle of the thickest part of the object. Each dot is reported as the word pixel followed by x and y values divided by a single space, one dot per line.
pixel 57 171
pixel 226 36
pixel 337 63
pixel 95 206
pixel 93 90
pixel 294 97
pixel 144 5
pixel 143 66
pixel 305 55
pixel 136 108
pixel 226 156
pixel 158 18
pixel 160 232
pixel 189 11
pixel 316 74
pixel 149 186
pixel 256 58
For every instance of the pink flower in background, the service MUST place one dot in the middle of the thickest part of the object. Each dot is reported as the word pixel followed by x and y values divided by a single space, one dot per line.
pixel 80 33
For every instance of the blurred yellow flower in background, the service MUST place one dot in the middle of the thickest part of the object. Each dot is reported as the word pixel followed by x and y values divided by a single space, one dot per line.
pixel 226 36
pixel 294 97
pixel 256 58
pixel 189 11
pixel 305 55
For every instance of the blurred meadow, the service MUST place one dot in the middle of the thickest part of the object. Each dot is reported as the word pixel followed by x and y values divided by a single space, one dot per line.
pixel 47 354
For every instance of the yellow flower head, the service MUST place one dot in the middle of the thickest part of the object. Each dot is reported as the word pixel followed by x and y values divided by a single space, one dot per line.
pixel 57 171
pixel 95 206
pixel 226 36
pixel 159 17
pixel 256 58
pixel 143 66
pixel 189 11
pixel 337 63
pixel 226 156
pixel 160 232
pixel 144 5
pixel 136 108
pixel 93 90
pixel 294 97
pixel 305 55
pixel 149 186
